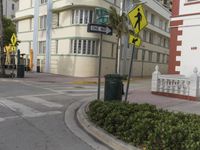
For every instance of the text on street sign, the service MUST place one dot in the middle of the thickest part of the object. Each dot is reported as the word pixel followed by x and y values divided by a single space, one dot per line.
pixel 100 29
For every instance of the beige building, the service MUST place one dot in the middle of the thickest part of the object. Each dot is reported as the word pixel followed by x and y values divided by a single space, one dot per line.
pixel 57 32
pixel 9 8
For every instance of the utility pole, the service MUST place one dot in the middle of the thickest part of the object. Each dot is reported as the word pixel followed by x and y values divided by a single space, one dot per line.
pixel 1 38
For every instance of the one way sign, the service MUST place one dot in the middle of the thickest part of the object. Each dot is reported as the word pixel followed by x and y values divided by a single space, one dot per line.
pixel 98 28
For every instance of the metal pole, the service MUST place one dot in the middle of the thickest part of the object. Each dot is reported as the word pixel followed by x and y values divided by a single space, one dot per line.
pixel 99 73
pixel 129 75
pixel 143 55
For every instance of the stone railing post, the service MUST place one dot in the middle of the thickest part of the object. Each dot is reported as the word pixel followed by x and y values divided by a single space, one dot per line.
pixel 194 84
pixel 154 81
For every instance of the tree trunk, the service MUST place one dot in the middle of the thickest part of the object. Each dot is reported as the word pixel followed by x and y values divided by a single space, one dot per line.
pixel 1 36
pixel 117 54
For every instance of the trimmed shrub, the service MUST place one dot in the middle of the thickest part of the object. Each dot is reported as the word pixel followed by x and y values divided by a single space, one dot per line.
pixel 146 126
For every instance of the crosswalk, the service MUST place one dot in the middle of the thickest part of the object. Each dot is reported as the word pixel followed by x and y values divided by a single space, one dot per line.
pixel 31 106
pixel 39 105
pixel 21 110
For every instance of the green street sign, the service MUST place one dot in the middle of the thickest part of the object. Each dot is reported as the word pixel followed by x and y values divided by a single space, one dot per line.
pixel 101 16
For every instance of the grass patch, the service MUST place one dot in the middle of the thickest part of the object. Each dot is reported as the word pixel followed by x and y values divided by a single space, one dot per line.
pixel 147 127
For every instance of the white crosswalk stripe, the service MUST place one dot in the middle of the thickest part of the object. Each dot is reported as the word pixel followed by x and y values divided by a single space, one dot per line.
pixel 41 101
pixel 17 107
pixel 21 110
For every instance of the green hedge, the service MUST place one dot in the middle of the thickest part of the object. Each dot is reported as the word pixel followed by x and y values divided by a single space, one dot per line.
pixel 147 127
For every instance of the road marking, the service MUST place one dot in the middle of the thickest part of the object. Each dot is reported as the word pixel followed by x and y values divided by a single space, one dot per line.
pixel 7 118
pixel 41 114
pixel 17 107
pixel 41 101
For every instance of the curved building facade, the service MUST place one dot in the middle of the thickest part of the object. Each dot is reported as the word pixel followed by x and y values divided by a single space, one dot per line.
pixel 56 30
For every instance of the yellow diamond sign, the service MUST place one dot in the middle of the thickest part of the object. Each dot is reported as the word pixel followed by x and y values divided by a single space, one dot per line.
pixel 134 40
pixel 13 39
pixel 138 19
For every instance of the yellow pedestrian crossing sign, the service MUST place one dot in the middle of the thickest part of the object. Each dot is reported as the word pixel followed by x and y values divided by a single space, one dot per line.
pixel 13 39
pixel 134 40
pixel 138 19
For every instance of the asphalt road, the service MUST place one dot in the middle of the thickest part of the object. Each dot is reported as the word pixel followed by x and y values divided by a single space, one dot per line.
pixel 32 115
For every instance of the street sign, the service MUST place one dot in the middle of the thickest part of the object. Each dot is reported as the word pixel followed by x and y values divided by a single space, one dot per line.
pixel 101 16
pixel 13 39
pixel 98 28
pixel 138 19
pixel 134 40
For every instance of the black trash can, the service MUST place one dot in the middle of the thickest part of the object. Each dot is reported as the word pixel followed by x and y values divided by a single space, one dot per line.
pixel 20 71
pixel 113 87
pixel 38 68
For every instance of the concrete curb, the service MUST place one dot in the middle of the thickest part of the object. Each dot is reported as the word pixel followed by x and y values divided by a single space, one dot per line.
pixel 74 127
pixel 98 133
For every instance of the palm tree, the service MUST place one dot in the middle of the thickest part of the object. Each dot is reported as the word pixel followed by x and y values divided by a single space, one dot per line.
pixel 1 38
pixel 117 22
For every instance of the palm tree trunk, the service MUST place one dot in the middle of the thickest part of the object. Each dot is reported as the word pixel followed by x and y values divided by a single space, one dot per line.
pixel 117 54
pixel 1 44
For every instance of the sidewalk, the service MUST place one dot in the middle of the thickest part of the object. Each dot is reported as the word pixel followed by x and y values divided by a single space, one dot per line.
pixel 139 91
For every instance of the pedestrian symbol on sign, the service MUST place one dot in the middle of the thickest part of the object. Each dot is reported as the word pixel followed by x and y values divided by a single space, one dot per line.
pixel 139 19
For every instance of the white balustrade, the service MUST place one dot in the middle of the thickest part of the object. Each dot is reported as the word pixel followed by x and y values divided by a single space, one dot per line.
pixel 176 84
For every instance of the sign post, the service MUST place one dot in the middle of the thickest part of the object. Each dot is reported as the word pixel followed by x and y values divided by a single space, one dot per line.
pixel 102 29
pixel 138 21
pixel 13 47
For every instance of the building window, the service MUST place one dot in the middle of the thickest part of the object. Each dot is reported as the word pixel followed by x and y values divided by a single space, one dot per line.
pixel 13 6
pixel 152 19
pixel 150 56
pixel 166 26
pixel 143 55
pixel 151 38
pixel 158 57
pixel 145 35
pixel 42 47
pixel 135 55
pixel 43 22
pixel 43 1
pixel 84 47
pixel 82 16
pixel 161 24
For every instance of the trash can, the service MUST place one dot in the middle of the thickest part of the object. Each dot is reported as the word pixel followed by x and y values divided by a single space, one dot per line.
pixel 113 87
pixel 38 68
pixel 20 71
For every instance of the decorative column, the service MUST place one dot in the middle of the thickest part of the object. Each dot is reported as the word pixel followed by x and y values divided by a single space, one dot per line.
pixel 48 36
pixel 154 81
pixel 35 34
pixel 194 84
